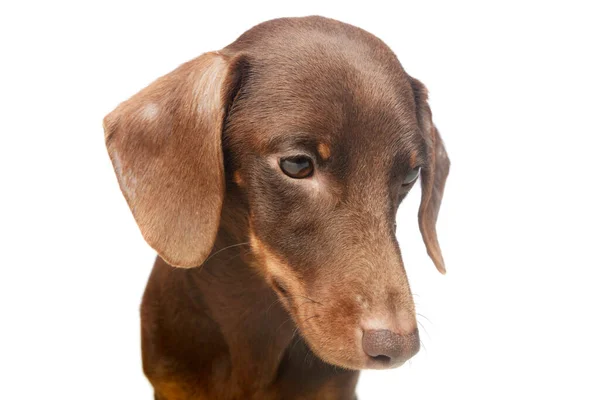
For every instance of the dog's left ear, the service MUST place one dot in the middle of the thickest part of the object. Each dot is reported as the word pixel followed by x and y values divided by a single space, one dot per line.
pixel 433 176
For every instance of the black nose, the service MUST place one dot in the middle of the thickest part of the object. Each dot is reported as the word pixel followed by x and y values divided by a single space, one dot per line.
pixel 389 349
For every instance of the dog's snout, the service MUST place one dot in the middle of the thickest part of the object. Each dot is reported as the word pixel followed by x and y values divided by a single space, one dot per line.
pixel 388 349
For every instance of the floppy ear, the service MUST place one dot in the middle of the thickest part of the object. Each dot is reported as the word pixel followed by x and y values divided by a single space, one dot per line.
pixel 165 147
pixel 433 177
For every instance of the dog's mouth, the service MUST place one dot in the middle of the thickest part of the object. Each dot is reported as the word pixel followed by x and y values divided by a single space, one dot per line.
pixel 280 288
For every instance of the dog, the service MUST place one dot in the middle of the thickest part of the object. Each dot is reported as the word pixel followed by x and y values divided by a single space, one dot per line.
pixel 269 173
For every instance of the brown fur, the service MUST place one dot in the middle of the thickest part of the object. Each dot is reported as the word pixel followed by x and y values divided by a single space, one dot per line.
pixel 292 271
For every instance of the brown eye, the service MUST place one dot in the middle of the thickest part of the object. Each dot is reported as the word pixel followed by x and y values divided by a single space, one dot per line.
pixel 297 167
pixel 411 176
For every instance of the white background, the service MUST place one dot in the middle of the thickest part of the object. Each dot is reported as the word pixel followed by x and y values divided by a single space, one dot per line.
pixel 514 91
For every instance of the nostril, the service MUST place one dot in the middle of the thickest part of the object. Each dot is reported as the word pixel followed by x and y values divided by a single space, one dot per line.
pixel 381 359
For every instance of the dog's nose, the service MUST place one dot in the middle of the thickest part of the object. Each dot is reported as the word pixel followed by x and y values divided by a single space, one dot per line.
pixel 388 349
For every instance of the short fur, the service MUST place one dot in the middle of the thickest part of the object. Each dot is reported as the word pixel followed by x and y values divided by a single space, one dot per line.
pixel 289 272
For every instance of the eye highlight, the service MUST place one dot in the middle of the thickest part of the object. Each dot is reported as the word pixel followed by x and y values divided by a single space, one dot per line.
pixel 411 176
pixel 297 167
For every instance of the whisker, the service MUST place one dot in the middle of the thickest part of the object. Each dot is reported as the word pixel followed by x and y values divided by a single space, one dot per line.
pixel 223 249
pixel 314 301
pixel 282 324
pixel 295 331
pixel 423 345
pixel 307 353
pixel 271 305
pixel 314 316
pixel 428 320
pixel 236 256
pixel 425 329
pixel 298 338
pixel 303 321
pixel 289 296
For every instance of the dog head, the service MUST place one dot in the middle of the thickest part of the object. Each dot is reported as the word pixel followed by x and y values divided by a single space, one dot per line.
pixel 317 127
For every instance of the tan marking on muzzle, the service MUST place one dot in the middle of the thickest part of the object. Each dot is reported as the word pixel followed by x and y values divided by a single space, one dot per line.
pixel 273 267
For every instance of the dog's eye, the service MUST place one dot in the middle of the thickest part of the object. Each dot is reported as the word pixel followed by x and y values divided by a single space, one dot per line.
pixel 411 177
pixel 297 167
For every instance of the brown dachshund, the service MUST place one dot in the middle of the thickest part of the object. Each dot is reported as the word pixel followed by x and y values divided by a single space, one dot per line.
pixel 276 167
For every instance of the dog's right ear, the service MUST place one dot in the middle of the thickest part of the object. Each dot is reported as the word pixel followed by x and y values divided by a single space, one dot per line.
pixel 433 176
pixel 165 147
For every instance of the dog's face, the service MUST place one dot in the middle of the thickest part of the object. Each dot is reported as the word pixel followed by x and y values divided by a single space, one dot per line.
pixel 324 135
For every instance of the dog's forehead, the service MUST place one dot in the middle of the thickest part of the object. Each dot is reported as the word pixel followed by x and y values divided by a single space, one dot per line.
pixel 327 87
pixel 336 112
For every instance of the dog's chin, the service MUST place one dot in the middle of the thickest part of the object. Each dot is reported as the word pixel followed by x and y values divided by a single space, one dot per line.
pixel 342 358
